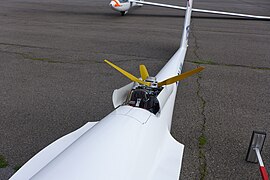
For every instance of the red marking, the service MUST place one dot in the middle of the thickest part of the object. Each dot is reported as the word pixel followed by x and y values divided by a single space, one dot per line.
pixel 264 173
pixel 116 4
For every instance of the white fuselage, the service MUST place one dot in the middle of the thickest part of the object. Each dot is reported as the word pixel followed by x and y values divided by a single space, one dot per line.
pixel 130 143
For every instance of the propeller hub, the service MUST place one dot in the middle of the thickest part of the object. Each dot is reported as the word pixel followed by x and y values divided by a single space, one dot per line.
pixel 153 81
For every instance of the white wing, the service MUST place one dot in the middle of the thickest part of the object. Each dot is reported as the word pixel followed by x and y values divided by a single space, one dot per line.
pixel 46 155
pixel 201 10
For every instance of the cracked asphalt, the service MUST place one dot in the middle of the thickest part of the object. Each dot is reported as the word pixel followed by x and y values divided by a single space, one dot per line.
pixel 53 79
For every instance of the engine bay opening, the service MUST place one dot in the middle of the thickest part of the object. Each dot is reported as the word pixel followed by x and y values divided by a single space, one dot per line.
pixel 145 98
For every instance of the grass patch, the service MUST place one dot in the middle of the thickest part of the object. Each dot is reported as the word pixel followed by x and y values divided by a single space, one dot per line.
pixel 3 162
pixel 202 141
pixel 39 59
pixel 16 168
pixel 203 62
pixel 183 83
pixel 203 171
pixel 203 166
pixel 27 56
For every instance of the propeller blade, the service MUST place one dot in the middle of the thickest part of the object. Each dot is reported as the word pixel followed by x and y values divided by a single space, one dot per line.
pixel 144 72
pixel 127 74
pixel 180 77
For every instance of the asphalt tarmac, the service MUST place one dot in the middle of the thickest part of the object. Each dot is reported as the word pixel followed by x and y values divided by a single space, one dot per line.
pixel 53 79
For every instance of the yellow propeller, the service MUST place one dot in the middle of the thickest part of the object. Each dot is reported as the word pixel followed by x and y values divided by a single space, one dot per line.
pixel 144 72
pixel 144 75
pixel 127 74
pixel 180 77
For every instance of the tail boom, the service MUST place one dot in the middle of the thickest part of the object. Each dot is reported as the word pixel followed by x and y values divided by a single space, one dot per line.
pixel 174 65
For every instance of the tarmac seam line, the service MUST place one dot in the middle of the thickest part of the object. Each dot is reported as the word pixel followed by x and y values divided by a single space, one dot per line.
pixel 229 65
pixel 22 45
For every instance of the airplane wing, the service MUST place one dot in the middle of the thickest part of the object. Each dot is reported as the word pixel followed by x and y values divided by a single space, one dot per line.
pixel 46 155
pixel 202 10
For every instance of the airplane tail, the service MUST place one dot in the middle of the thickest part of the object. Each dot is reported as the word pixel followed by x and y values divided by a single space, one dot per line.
pixel 184 41
pixel 175 64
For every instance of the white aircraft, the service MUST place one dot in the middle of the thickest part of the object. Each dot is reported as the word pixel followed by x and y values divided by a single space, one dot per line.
pixel 131 143
pixel 123 6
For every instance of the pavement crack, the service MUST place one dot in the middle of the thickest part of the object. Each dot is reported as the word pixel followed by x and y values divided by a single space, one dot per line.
pixel 22 45
pixel 135 57
pixel 228 65
pixel 28 56
pixel 195 41
pixel 201 62
pixel 202 140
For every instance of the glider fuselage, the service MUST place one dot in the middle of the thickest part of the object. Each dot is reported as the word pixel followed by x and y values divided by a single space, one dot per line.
pixel 130 143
